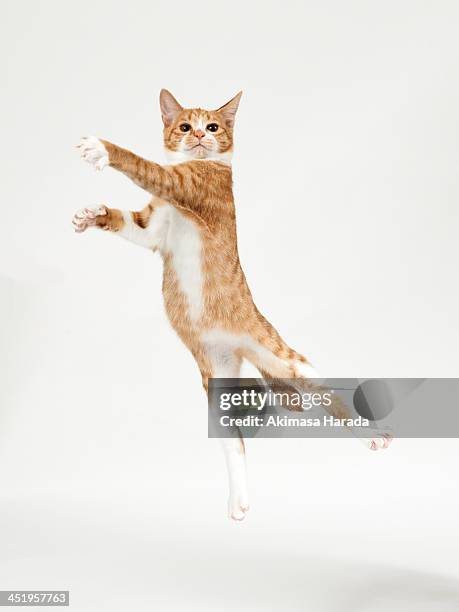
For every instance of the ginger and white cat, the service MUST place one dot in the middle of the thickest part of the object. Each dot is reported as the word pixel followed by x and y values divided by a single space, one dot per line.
pixel 191 222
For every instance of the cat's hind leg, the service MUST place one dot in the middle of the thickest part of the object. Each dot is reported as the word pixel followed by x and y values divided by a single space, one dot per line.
pixel 296 372
pixel 225 364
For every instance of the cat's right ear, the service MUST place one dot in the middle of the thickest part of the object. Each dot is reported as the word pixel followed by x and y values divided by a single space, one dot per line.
pixel 170 108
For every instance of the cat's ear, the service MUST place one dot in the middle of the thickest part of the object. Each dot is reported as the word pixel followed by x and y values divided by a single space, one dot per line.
pixel 170 108
pixel 229 110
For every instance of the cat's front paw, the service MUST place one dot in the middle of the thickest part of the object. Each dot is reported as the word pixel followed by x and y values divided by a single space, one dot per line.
pixel 94 152
pixel 89 217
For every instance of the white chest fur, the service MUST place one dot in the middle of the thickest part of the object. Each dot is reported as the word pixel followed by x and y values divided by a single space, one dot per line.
pixel 183 243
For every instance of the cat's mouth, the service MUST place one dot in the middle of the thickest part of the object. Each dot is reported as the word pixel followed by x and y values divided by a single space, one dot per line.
pixel 196 146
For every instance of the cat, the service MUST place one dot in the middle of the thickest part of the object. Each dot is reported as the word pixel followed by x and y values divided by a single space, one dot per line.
pixel 191 222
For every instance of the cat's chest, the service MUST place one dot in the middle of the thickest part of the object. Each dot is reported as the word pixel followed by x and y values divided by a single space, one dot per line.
pixel 182 243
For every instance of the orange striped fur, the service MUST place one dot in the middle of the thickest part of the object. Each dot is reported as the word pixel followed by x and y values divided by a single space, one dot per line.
pixel 191 222
pixel 201 190
pixel 203 193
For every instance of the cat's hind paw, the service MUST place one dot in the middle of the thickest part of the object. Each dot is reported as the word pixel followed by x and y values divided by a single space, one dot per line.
pixel 93 151
pixel 87 217
pixel 238 507
pixel 377 440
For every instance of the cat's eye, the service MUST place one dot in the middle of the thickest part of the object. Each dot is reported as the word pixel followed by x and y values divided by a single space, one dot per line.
pixel 212 127
pixel 185 127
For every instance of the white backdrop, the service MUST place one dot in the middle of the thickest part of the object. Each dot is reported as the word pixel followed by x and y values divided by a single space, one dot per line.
pixel 346 183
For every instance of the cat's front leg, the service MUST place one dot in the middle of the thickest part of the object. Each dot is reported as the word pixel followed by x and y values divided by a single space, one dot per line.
pixel 145 227
pixel 94 152
pixel 176 185
pixel 148 175
pixel 108 219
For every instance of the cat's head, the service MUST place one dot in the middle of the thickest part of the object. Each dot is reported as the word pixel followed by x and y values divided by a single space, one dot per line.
pixel 194 133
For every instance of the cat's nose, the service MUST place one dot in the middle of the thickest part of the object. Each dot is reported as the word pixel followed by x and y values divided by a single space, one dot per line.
pixel 199 134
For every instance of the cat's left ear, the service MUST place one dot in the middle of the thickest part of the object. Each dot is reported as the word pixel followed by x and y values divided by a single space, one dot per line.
pixel 229 110
pixel 170 108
